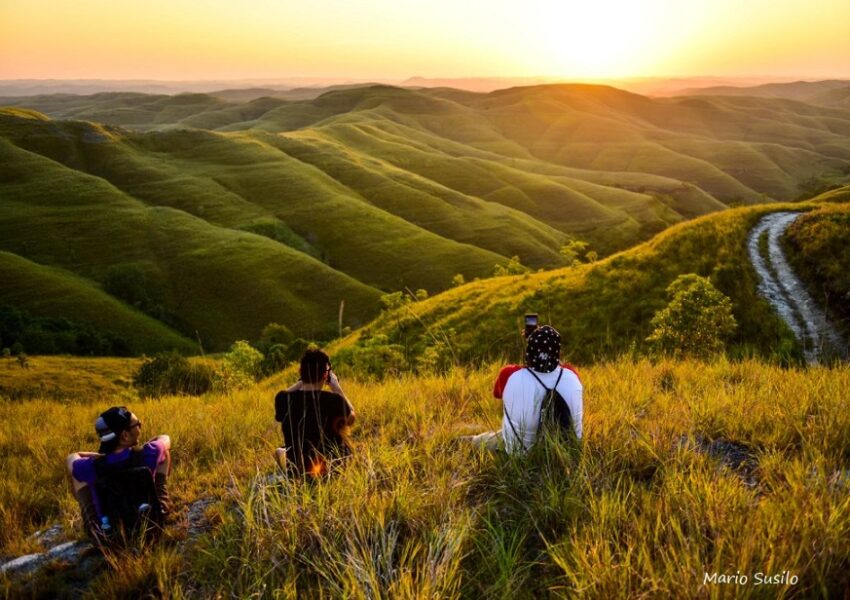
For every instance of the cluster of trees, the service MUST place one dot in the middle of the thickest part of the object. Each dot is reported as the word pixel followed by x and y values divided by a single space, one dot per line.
pixel 172 373
pixel 129 283
pixel 21 332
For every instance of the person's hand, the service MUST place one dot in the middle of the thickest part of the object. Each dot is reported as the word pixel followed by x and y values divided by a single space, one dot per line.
pixel 333 381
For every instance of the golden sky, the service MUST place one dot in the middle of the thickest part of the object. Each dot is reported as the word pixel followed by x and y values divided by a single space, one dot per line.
pixel 396 39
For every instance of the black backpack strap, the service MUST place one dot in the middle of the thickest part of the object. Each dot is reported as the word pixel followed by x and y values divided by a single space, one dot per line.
pixel 136 459
pixel 548 392
pixel 511 423
pixel 541 383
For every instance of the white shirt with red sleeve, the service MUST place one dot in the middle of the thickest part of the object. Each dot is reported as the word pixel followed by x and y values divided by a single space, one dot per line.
pixel 522 396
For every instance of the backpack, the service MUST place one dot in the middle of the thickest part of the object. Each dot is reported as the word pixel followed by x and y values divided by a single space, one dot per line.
pixel 127 496
pixel 554 412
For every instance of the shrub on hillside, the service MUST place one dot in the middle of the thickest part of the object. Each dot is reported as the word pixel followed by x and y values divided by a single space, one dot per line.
pixel 241 367
pixel 274 361
pixel 274 334
pixel 576 252
pixel 375 357
pixel 437 357
pixel 512 267
pixel 171 373
pixel 697 321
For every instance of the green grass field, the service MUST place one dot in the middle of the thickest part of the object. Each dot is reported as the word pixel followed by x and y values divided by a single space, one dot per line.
pixel 634 512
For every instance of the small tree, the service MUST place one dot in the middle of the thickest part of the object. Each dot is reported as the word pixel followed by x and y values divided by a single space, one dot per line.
pixel 697 321
pixel 274 334
pixel 574 252
pixel 242 365
pixel 458 280
pixel 394 300
pixel 512 267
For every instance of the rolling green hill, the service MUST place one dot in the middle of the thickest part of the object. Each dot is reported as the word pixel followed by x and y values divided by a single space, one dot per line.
pixel 604 309
pixel 274 210
pixel 47 291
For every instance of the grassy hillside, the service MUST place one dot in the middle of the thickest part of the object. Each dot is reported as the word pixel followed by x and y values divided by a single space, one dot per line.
pixel 735 149
pixel 638 510
pixel 601 309
pixel 368 190
pixel 222 283
pixel 50 292
pixel 106 380
pixel 818 245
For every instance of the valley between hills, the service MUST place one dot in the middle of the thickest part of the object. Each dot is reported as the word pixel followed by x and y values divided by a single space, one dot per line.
pixel 229 214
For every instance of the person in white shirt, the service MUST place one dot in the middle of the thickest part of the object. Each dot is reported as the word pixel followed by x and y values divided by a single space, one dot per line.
pixel 523 388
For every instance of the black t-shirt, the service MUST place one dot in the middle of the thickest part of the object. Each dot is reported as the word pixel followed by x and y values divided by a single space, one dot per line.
pixel 311 421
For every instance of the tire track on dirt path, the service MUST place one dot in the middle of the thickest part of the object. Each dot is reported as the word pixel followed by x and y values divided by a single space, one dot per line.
pixel 788 295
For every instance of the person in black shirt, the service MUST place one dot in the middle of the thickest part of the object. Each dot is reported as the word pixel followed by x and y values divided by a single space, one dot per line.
pixel 313 420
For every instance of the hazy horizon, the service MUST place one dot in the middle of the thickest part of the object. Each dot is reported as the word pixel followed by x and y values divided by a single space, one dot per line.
pixel 383 40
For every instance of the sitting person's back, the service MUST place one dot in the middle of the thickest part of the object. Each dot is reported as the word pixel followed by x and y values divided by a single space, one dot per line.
pixel 120 478
pixel 313 420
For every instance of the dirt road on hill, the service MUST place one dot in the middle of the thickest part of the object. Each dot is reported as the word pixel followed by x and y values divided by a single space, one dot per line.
pixel 787 294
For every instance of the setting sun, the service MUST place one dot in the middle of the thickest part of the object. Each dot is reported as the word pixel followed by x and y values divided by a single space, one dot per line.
pixel 603 39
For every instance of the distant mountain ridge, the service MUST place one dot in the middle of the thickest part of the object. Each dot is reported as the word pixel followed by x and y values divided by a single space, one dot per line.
pixel 831 92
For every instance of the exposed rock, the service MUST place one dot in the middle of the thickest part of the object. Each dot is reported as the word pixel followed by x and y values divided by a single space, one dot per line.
pixel 197 517
pixel 23 565
pixel 69 552
pixel 734 455
pixel 50 537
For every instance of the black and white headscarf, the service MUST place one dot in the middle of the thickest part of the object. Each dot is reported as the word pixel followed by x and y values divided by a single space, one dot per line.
pixel 544 349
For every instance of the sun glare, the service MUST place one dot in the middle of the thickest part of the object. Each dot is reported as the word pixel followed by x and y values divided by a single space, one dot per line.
pixel 606 38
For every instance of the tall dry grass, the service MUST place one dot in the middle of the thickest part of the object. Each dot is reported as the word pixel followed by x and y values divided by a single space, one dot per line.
pixel 634 511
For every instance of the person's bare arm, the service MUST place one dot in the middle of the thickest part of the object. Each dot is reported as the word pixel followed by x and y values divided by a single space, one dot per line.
pixel 165 440
pixel 333 383
pixel 296 386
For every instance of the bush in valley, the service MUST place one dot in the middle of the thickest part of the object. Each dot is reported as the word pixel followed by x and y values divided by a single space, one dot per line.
pixel 171 373
pixel 697 321
pixel 42 335
pixel 129 283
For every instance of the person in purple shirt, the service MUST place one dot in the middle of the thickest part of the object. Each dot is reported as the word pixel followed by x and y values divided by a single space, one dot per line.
pixel 119 431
